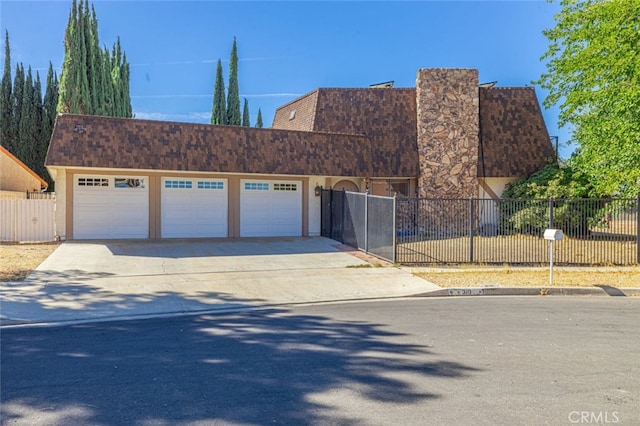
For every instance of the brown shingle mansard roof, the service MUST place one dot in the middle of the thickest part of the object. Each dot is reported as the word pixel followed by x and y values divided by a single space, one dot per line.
pixel 120 143
pixel 513 135
pixel 386 116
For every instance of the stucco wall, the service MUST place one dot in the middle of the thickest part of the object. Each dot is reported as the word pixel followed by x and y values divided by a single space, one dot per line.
pixel 15 178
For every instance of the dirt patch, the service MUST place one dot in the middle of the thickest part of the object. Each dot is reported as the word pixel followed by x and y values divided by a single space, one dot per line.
pixel 507 277
pixel 18 260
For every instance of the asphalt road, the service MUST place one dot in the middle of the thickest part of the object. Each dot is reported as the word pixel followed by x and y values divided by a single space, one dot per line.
pixel 451 361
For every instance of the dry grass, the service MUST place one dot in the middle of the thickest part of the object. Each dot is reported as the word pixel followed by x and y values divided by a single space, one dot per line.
pixel 508 277
pixel 520 249
pixel 18 260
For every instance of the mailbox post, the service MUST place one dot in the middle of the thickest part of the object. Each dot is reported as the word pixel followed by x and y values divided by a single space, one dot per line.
pixel 552 235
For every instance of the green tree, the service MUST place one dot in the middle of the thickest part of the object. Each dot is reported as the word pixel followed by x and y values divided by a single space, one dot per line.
pixel 564 184
pixel 127 111
pixel 259 119
pixel 49 105
pixel 6 100
pixel 107 85
pixel 233 98
pixel 245 114
pixel 219 109
pixel 593 72
pixel 93 81
pixel 94 62
pixel 18 94
pixel 75 94
pixel 30 120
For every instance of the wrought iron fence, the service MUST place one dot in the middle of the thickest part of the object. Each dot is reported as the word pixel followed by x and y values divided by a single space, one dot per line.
pixel 437 231
pixel 597 231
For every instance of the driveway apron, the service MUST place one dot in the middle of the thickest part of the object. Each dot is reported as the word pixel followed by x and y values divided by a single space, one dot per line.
pixel 108 279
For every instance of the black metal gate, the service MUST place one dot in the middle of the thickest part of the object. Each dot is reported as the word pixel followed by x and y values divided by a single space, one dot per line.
pixel 363 221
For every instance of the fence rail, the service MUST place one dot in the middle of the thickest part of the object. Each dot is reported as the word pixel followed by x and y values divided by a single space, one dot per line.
pixel 444 231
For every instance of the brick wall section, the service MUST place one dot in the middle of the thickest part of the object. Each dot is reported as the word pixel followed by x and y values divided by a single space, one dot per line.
pixel 123 143
pixel 514 138
pixel 447 132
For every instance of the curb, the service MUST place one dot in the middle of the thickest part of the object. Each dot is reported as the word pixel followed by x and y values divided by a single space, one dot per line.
pixel 444 292
pixel 533 291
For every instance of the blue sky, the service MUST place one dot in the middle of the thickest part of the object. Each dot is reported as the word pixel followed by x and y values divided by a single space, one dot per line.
pixel 289 48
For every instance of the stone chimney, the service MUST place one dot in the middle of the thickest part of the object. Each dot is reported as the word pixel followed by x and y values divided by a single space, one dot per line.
pixel 448 132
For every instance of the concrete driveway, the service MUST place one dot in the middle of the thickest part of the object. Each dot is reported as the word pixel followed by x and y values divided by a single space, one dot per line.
pixel 98 279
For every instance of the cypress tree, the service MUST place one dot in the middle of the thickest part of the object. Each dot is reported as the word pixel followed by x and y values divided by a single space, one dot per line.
pixel 233 98
pixel 124 87
pixel 35 137
pixel 27 127
pixel 67 78
pixel 48 120
pixel 94 67
pixel 218 110
pixel 259 119
pixel 107 84
pixel 18 90
pixel 116 84
pixel 83 99
pixel 6 100
pixel 92 80
pixel 245 114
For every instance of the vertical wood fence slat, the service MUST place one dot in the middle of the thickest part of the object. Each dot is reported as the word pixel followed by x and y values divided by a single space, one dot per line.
pixel 27 220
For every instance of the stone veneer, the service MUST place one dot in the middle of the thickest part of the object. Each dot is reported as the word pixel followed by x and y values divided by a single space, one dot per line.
pixel 448 128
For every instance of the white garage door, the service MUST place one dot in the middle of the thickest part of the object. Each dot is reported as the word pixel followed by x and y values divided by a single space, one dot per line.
pixel 194 208
pixel 270 208
pixel 107 207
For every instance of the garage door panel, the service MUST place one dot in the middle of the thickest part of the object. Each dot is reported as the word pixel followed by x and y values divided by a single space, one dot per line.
pixel 270 208
pixel 194 208
pixel 103 211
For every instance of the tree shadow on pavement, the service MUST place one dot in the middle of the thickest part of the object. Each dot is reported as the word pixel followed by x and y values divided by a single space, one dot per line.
pixel 77 295
pixel 271 366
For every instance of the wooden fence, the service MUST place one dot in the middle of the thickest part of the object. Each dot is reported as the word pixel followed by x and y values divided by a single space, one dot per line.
pixel 27 220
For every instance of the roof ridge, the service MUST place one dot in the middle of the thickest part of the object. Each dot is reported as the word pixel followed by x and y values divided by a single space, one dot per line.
pixel 211 126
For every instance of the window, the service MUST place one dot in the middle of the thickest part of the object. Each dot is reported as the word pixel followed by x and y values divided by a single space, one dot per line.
pixel 256 186
pixel 401 189
pixel 129 183
pixel 285 187
pixel 93 182
pixel 203 184
pixel 178 184
pixel 292 115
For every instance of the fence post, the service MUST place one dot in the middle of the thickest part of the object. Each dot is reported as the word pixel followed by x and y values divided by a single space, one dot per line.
pixel 638 229
pixel 471 229
pixel 394 244
pixel 550 212
pixel 366 222
pixel 330 213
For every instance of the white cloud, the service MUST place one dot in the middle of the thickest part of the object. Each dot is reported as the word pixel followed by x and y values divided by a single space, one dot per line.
pixel 182 95
pixel 189 117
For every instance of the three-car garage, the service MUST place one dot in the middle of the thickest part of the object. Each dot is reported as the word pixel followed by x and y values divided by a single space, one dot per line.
pixel 124 207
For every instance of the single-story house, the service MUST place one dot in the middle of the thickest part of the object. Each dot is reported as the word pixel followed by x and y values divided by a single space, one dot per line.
pixel 448 137
pixel 16 179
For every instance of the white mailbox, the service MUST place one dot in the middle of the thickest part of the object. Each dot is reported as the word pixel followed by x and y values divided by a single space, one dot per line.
pixel 553 234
